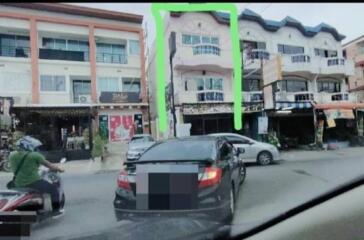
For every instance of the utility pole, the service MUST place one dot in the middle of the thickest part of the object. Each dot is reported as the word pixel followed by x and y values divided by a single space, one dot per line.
pixel 172 52
pixel 147 82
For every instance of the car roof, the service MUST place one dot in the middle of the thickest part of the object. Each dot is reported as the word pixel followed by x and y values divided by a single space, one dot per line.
pixel 195 138
pixel 224 134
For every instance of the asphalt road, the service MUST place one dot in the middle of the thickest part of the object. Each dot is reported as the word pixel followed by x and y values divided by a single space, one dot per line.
pixel 266 192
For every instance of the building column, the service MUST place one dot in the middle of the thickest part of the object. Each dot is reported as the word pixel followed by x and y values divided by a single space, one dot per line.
pixel 92 55
pixel 143 84
pixel 33 33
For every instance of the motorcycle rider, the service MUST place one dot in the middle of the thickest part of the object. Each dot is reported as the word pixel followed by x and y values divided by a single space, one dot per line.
pixel 28 174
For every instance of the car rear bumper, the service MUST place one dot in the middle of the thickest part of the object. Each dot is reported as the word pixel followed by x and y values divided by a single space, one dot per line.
pixel 217 213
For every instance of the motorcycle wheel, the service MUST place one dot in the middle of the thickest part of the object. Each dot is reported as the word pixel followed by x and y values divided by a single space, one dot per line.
pixel 63 201
pixel 6 166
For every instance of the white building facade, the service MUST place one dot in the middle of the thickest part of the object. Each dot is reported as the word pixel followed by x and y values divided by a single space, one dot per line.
pixel 314 72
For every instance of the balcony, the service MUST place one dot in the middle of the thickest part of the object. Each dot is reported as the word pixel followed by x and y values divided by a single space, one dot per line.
pixel 252 60
pixel 337 66
pixel 299 63
pixel 111 58
pixel 66 55
pixel 294 96
pixel 12 51
pixel 324 97
pixel 207 96
pixel 253 96
pixel 207 57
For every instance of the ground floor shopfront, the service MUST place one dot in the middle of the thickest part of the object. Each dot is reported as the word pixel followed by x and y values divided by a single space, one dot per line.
pixel 68 131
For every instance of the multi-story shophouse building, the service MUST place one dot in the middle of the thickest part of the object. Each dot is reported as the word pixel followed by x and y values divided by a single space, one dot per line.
pixel 354 50
pixel 313 73
pixel 71 69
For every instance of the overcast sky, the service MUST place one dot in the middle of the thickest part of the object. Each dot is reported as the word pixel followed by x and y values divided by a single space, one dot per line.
pixel 347 18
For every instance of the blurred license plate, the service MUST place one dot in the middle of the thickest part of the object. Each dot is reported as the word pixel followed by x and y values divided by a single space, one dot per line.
pixel 166 186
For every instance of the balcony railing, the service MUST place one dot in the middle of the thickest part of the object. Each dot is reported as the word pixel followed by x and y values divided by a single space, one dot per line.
pixel 340 97
pixel 210 96
pixel 67 55
pixel 253 96
pixel 111 58
pixel 300 59
pixel 12 51
pixel 335 61
pixel 295 96
pixel 206 49
pixel 257 54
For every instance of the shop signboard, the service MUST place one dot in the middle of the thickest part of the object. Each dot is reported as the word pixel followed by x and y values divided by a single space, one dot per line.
pixel 121 127
pixel 119 97
pixel 339 114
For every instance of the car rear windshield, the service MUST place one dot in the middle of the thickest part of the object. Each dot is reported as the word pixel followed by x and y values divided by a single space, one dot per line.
pixel 181 150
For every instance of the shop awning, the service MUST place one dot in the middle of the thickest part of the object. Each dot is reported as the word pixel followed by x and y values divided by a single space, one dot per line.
pixel 293 105
pixel 339 105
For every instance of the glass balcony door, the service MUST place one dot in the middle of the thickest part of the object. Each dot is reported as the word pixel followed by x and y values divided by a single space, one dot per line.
pixel 81 91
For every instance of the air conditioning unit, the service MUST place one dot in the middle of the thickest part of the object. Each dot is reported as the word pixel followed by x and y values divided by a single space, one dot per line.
pixel 84 98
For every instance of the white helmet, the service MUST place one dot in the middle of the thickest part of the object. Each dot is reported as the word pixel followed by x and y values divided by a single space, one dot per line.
pixel 28 143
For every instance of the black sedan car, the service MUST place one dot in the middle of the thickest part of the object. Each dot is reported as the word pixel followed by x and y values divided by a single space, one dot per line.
pixel 199 176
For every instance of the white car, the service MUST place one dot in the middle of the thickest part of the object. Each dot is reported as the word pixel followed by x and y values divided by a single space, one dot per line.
pixel 137 146
pixel 262 153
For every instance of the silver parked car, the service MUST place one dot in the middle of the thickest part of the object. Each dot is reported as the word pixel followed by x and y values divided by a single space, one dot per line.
pixel 262 153
pixel 137 145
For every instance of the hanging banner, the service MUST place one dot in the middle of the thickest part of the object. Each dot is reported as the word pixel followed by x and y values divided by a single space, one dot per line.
pixel 331 123
pixel 104 126
pixel 262 125
pixel 121 127
pixel 339 113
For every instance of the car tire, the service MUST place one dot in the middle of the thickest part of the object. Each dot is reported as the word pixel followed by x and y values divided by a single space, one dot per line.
pixel 229 213
pixel 242 173
pixel 264 158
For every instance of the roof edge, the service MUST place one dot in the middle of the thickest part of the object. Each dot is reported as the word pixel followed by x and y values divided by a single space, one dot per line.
pixel 79 10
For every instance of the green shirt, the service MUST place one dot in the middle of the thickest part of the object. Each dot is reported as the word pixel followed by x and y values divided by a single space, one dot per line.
pixel 28 172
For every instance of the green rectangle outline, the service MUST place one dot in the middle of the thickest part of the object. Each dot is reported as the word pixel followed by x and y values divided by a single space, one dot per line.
pixel 237 60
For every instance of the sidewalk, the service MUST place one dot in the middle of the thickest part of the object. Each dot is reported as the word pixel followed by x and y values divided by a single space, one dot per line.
pixel 303 155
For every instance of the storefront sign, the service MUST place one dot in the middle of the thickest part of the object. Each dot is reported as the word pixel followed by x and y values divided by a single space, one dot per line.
pixel 339 113
pixel 198 109
pixel 272 70
pixel 119 97
pixel 121 127
pixel 262 125
pixel 331 123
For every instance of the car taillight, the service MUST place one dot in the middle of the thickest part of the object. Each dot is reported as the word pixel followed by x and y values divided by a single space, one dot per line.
pixel 3 202
pixel 123 180
pixel 210 177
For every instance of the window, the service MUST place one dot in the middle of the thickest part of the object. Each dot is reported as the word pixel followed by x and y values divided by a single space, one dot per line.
pixel 50 83
pixel 328 86
pixel 289 49
pixel 131 85
pixel 325 53
pixel 237 140
pixel 254 85
pixel 186 39
pixel 206 49
pixel 248 45
pixel 108 84
pixel 110 53
pixel 189 39
pixel 81 87
pixel 209 83
pixel 60 44
pixel 134 47
pixel 14 46
pixel 294 85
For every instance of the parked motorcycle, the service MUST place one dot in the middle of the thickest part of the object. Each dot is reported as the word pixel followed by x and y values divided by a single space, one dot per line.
pixel 27 199
pixel 4 160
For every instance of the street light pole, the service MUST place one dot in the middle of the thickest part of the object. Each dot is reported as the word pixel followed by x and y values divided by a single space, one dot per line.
pixel 172 50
